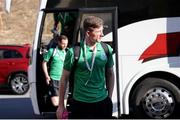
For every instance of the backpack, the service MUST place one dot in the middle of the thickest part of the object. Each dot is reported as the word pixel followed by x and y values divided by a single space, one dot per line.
pixel 76 50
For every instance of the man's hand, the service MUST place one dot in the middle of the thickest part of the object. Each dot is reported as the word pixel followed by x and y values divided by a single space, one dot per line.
pixel 60 113
pixel 48 79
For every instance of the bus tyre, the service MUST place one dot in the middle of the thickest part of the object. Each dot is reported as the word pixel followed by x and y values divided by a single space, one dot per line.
pixel 154 98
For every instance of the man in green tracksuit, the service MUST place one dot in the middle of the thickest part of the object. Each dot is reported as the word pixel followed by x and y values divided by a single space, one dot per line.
pixel 66 22
pixel 92 90
pixel 55 57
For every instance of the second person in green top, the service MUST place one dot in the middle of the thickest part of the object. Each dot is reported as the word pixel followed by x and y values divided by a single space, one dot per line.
pixel 55 59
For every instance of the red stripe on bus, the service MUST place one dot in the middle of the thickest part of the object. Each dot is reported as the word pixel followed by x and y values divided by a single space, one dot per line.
pixel 167 44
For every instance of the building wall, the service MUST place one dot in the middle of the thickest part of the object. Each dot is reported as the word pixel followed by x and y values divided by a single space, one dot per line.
pixel 18 26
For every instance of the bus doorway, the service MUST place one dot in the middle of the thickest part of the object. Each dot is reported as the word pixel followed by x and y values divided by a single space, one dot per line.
pixel 48 33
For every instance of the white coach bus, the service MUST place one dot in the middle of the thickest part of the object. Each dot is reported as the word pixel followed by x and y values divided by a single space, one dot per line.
pixel 145 36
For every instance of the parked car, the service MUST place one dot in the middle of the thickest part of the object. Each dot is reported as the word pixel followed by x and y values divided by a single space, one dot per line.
pixel 14 60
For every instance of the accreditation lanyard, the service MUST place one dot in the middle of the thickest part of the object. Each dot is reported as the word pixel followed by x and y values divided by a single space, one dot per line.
pixel 62 57
pixel 90 68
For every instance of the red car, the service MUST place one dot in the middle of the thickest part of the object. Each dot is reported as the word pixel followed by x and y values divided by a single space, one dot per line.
pixel 14 60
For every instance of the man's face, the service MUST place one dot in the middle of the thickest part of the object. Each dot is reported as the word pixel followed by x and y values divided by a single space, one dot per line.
pixel 63 44
pixel 96 34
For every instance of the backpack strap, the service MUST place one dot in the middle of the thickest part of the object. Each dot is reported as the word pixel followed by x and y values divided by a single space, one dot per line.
pixel 105 47
pixel 106 50
pixel 76 54
pixel 54 51
pixel 52 55
pixel 76 51
pixel 50 59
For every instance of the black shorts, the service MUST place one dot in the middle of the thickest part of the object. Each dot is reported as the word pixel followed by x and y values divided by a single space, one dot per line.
pixel 54 88
pixel 97 110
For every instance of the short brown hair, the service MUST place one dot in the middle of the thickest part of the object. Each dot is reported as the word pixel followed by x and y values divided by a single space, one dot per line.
pixel 62 37
pixel 92 22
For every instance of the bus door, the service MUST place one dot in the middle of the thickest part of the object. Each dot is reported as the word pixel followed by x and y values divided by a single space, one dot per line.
pixel 47 37
pixel 51 26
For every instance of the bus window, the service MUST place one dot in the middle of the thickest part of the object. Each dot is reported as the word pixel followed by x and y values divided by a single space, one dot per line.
pixel 108 24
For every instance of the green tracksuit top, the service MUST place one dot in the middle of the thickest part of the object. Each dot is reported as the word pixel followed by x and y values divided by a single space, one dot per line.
pixel 56 65
pixel 89 86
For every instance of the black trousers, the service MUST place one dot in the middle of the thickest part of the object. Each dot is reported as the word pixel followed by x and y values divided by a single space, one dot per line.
pixel 98 110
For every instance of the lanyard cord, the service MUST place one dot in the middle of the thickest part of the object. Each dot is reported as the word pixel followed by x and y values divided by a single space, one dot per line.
pixel 61 57
pixel 86 61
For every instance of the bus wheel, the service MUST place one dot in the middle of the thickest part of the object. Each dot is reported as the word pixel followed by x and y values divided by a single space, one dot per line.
pixel 154 98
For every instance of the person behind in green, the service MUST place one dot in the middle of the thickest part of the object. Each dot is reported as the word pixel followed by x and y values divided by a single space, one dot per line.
pixel 94 76
pixel 55 57
pixel 66 22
